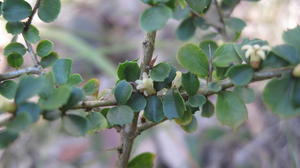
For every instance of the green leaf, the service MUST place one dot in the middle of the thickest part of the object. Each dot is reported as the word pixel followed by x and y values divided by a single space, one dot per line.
pixel 208 109
pixel 191 127
pixel 197 100
pixel 62 69
pixel 75 97
pixel 28 87
pixel 91 87
pixel 6 138
pixel 32 109
pixel 74 79
pixel 14 27
pixel 96 122
pixel 49 85
pixel 287 53
pixel 190 83
pixel 144 160
pixel 173 104
pixel 241 74
pixel 137 102
pixel 49 60
pixel 214 87
pixel 291 37
pixel 273 61
pixel 160 72
pixel 199 5
pixel 193 59
pixel 19 123
pixel 167 83
pixel 123 92
pixel 58 98
pixel 44 48
pixel 201 23
pixel 186 29
pixel 16 10
pixel 14 47
pixel 209 47
pixel 235 24
pixel 278 96
pixel 296 95
pixel 8 89
pixel 155 18
pixel 154 109
pixel 129 71
pixel 49 10
pixel 245 93
pixel 120 115
pixel 186 118
pixel 15 60
pixel 75 125
pixel 51 115
pixel 231 110
pixel 32 34
pixel 226 55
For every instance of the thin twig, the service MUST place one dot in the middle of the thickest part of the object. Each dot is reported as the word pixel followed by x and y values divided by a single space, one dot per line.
pixel 17 73
pixel 221 17
pixel 35 8
pixel 32 53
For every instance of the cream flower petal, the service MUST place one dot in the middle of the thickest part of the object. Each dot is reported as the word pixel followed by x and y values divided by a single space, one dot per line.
pixel 261 54
pixel 266 48
pixel 176 83
pixel 249 52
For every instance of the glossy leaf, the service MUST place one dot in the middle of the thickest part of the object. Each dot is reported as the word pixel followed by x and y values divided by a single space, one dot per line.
pixel 58 98
pixel 154 109
pixel 291 37
pixel 186 29
pixel 49 60
pixel 75 125
pixel 8 89
pixel 137 102
pixel 199 5
pixel 173 104
pixel 193 59
pixel 28 87
pixel 186 118
pixel 74 79
pixel 196 100
pixel 144 160
pixel 16 10
pixel 123 92
pixel 209 47
pixel 62 69
pixel 287 53
pixel 120 115
pixel 241 74
pixel 247 94
pixel 192 126
pixel 32 35
pixel 91 87
pixel 208 109
pixel 96 122
pixel 14 27
pixel 278 96
pixel 235 24
pixel 15 60
pixel 44 48
pixel 49 10
pixel 14 47
pixel 231 110
pixel 155 18
pixel 226 55
pixel 190 83
pixel 160 72
pixel 129 71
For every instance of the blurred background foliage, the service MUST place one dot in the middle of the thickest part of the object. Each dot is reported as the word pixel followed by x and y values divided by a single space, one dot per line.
pixel 99 34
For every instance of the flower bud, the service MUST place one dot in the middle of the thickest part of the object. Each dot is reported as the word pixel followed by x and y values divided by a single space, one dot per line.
pixel 296 71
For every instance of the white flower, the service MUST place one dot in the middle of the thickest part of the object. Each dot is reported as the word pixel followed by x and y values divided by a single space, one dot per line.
pixel 256 51
pixel 145 85
pixel 176 83
pixel 162 92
